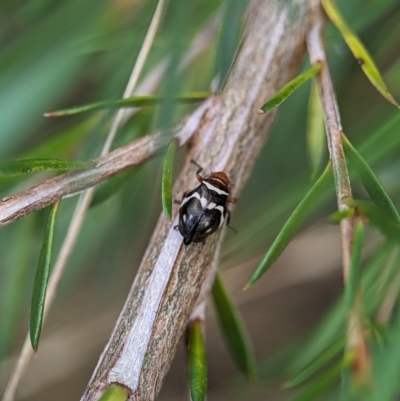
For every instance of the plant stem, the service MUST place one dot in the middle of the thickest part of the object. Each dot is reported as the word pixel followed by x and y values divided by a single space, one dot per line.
pixel 82 207
pixel 333 126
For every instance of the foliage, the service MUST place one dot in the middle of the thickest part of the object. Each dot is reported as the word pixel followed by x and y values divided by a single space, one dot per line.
pixel 57 55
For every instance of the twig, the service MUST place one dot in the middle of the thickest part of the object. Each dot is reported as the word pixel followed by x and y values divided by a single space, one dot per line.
pixel 200 43
pixel 135 153
pixel 83 205
pixel 316 49
pixel 12 208
pixel 356 341
pixel 171 275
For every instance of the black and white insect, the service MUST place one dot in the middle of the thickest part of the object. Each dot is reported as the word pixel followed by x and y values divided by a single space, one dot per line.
pixel 203 210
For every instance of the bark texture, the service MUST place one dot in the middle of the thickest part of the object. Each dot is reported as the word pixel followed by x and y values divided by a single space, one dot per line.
pixel 229 138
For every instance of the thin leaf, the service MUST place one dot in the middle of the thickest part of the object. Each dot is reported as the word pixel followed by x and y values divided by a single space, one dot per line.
pixel 63 144
pixel 115 393
pixel 288 89
pixel 166 185
pixel 370 181
pixel 235 332
pixel 316 138
pixel 136 101
pixel 377 217
pixel 333 325
pixel 37 165
pixel 387 365
pixel 359 51
pixel 197 362
pixel 112 186
pixel 337 217
pixel 321 385
pixel 229 38
pixel 41 279
pixel 317 364
pixel 353 282
pixel 292 224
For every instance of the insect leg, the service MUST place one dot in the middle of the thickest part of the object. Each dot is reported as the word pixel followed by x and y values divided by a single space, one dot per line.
pixel 177 202
pixel 228 221
pixel 198 176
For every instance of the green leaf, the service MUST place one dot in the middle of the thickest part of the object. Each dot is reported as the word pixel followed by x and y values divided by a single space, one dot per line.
pixel 377 217
pixel 370 181
pixel 115 393
pixel 235 332
pixel 136 101
pixel 288 89
pixel 197 362
pixel 317 364
pixel 316 138
pixel 64 143
pixel 359 51
pixel 41 279
pixel 112 186
pixel 166 184
pixel 337 217
pixel 387 365
pixel 332 328
pixel 292 224
pixel 353 282
pixel 324 382
pixel 37 165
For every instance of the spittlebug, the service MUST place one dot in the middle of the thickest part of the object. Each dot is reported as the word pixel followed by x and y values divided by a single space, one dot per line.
pixel 203 210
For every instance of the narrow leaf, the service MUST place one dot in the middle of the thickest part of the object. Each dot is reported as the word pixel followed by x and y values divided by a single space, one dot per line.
pixel 359 51
pixel 316 138
pixel 41 279
pixel 236 335
pixel 63 144
pixel 166 185
pixel 115 393
pixel 197 362
pixel 337 217
pixel 377 217
pixel 288 89
pixel 292 224
pixel 333 325
pixel 136 101
pixel 112 186
pixel 37 165
pixel 316 365
pixel 353 281
pixel 387 364
pixel 324 382
pixel 370 181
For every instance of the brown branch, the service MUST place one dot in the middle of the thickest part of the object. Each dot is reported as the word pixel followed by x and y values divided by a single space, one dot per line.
pixel 171 275
pixel 15 207
pixel 316 49
pixel 133 154
pixel 356 340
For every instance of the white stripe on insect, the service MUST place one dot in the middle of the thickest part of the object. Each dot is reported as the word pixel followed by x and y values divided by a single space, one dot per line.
pixel 203 202
pixel 187 198
pixel 217 190
pixel 222 210
pixel 211 205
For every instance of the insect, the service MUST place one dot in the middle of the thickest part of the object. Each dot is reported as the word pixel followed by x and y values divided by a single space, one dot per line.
pixel 203 210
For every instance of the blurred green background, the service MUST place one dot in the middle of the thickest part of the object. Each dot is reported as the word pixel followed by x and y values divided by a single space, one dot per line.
pixel 60 54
